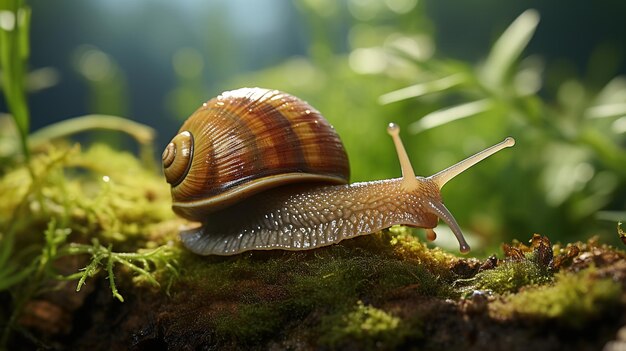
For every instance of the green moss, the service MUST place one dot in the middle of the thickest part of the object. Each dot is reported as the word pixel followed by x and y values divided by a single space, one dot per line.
pixel 117 201
pixel 264 292
pixel 574 299
pixel 339 274
pixel 408 247
pixel 370 327
pixel 250 323
pixel 510 276
pixel 522 266
pixel 65 198
pixel 120 197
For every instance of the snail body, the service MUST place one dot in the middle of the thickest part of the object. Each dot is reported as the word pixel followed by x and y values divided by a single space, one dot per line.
pixel 261 170
pixel 303 217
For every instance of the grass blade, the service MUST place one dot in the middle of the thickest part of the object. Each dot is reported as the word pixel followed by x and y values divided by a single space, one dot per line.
pixel 420 89
pixel 140 132
pixel 508 48
pixel 450 114
pixel 14 22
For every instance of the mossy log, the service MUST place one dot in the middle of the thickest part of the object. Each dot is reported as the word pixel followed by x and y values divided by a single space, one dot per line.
pixel 380 292
pixel 386 291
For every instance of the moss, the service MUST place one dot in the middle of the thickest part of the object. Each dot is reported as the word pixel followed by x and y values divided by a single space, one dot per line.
pixel 370 327
pixel 573 300
pixel 117 201
pixel 522 266
pixel 408 247
pixel 511 276
pixel 100 205
pixel 250 324
pixel 120 197
pixel 261 293
pixel 342 274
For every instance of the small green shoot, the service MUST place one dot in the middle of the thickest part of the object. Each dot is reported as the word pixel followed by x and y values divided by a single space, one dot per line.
pixel 55 237
pixel 143 262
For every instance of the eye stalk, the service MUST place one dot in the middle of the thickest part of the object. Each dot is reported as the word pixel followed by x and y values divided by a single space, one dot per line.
pixel 436 207
pixel 442 177
pixel 408 175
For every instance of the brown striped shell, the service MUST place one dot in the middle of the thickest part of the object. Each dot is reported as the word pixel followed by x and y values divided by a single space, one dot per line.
pixel 246 141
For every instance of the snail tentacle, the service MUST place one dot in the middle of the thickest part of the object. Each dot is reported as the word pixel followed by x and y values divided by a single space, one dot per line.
pixel 442 177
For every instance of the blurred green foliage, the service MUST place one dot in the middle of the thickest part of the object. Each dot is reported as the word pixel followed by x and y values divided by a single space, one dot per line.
pixel 14 52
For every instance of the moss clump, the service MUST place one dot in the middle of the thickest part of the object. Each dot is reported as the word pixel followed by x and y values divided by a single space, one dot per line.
pixel 573 300
pixel 371 327
pixel 121 201
pixel 98 193
pixel 522 266
pixel 510 276
pixel 408 247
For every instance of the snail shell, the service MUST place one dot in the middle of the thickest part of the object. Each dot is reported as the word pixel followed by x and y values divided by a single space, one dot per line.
pixel 245 141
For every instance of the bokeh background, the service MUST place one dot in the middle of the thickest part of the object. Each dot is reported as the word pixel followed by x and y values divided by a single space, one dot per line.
pixel 450 73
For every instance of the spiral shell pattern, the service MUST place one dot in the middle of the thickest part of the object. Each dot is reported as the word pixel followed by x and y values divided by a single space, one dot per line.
pixel 245 141
pixel 177 158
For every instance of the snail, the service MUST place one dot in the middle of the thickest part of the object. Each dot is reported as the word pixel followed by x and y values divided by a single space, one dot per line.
pixel 262 169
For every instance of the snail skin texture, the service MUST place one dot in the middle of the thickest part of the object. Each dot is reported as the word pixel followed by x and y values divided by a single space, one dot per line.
pixel 263 170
